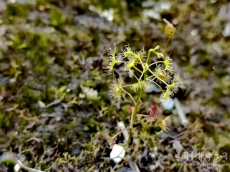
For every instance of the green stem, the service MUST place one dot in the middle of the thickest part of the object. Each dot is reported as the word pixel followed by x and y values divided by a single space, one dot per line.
pixel 167 44
pixel 157 77
pixel 129 96
pixel 134 113
pixel 136 56
pixel 142 74
pixel 151 77
pixel 156 63
pixel 147 60
pixel 157 85
pixel 137 69
pixel 134 75
pixel 133 117
pixel 152 51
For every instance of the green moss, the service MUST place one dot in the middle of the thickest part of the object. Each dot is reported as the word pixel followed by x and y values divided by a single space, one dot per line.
pixel 190 69
pixel 16 10
pixel 44 166
pixel 206 60
pixel 8 162
pixel 45 2
pixel 204 74
pixel 57 19
pixel 5 120
pixel 222 73
pixel 177 166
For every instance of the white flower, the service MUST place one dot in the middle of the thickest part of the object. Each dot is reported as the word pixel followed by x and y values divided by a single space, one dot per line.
pixel 117 153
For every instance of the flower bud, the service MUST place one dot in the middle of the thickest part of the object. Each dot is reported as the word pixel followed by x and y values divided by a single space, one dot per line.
pixel 169 29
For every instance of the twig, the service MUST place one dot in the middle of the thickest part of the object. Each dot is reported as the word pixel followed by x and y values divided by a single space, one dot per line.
pixel 27 168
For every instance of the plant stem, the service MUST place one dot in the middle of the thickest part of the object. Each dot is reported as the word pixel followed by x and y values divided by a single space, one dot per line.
pixel 157 77
pixel 134 113
pixel 142 74
pixel 167 44
pixel 156 63
pixel 147 60
pixel 134 75
pixel 137 57
pixel 137 69
pixel 157 85
pixel 151 77
pixel 150 51
pixel 130 96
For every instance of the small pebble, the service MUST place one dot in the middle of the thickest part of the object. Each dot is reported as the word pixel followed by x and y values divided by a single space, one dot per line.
pixel 117 153
pixel 168 104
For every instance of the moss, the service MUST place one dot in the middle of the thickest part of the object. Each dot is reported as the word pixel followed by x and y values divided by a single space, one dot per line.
pixel 44 166
pixel 45 2
pixel 17 10
pixel 56 18
pixel 204 74
pixel 9 163
pixel 222 73
pixel 5 120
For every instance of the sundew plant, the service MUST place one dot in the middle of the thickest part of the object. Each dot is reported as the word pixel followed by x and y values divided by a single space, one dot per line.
pixel 160 72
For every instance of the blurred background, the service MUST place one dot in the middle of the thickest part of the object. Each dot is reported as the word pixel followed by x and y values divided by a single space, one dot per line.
pixel 54 86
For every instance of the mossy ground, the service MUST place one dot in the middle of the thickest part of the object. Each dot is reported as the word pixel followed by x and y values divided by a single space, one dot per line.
pixel 51 50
